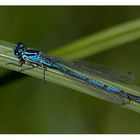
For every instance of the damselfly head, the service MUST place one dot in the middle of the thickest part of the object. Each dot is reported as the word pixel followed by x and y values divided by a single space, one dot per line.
pixel 19 49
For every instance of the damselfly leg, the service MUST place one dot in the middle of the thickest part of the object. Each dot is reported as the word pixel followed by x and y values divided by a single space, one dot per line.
pixel 29 68
pixel 11 63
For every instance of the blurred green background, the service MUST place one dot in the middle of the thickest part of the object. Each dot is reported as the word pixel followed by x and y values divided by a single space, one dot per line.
pixel 27 106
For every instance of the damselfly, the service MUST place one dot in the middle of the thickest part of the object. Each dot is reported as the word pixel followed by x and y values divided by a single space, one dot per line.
pixel 80 72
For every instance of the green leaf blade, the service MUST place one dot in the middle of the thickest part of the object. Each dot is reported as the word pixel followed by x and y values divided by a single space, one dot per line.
pixel 102 41
pixel 85 47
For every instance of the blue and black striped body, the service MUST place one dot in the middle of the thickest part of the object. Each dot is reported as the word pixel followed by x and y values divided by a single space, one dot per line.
pixel 37 58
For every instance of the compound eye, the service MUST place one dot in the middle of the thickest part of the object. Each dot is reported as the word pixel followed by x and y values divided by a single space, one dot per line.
pixel 16 53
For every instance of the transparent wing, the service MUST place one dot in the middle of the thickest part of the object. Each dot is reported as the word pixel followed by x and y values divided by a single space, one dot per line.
pixel 99 93
pixel 103 71
pixel 90 70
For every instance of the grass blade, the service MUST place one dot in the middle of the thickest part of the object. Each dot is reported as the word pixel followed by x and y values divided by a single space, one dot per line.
pixel 94 44
pixel 102 41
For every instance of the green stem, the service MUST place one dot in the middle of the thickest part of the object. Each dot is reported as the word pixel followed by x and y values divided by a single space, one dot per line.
pixel 102 41
pixel 91 45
